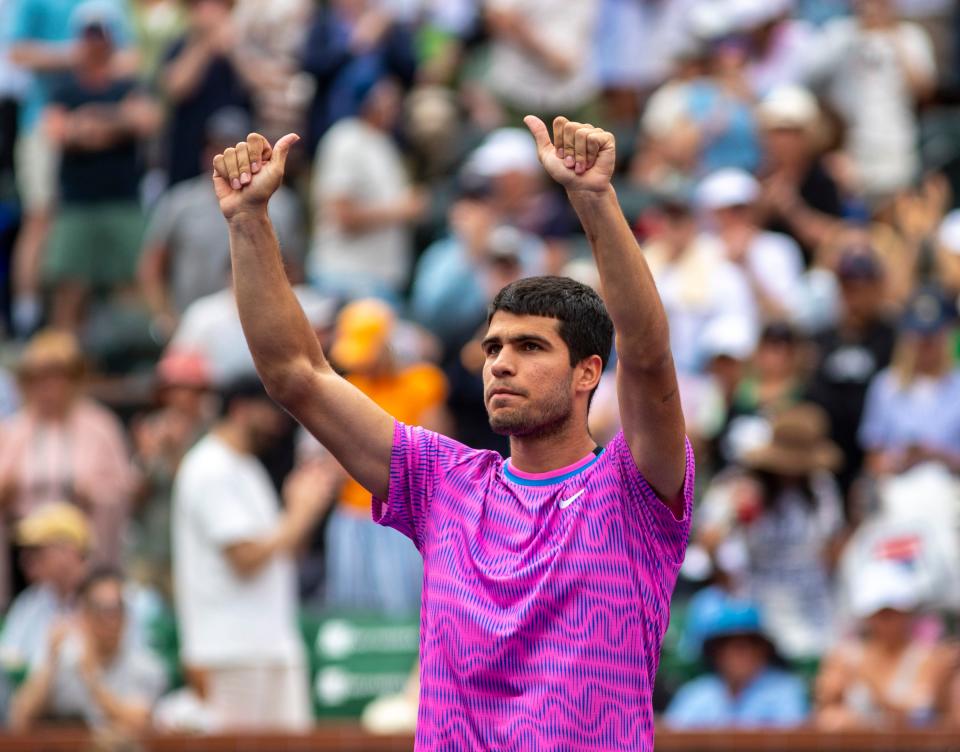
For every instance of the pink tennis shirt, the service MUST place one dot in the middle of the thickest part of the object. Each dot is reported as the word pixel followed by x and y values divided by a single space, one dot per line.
pixel 545 597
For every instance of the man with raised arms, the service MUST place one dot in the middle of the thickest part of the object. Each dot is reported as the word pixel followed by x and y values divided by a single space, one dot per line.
pixel 547 576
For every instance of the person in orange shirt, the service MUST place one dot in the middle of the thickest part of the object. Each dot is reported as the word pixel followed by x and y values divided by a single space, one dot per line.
pixel 370 569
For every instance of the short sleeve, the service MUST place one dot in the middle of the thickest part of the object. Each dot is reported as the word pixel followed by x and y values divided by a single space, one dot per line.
pixel 669 533
pixel 227 514
pixel 337 169
pixel 418 460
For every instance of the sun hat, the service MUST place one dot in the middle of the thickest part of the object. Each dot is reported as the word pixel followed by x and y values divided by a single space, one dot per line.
pixel 56 522
pixel 799 444
pixel 362 331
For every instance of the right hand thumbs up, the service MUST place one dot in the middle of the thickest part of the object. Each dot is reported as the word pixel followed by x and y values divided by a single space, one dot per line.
pixel 247 175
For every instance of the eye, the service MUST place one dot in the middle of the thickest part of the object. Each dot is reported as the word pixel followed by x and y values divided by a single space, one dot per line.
pixel 491 349
pixel 531 346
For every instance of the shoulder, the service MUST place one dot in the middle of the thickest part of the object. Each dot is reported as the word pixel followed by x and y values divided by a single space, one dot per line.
pixel 206 458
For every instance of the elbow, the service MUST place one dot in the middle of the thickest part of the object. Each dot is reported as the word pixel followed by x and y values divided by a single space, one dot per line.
pixel 290 384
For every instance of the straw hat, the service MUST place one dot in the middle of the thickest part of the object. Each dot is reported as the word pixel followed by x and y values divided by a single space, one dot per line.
pixel 51 349
pixel 799 445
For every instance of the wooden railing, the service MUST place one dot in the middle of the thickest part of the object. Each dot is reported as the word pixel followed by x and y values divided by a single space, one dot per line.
pixel 349 738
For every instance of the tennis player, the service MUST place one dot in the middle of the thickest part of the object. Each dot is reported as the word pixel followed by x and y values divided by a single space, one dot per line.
pixel 547 576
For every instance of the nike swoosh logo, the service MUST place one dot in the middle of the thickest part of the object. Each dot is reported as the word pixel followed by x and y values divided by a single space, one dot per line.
pixel 567 502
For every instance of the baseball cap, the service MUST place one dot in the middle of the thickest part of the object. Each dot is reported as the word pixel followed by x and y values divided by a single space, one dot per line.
pixel 184 368
pixel 948 234
pixel 505 150
pixel 729 336
pixel 884 585
pixel 56 522
pixel 98 17
pixel 788 106
pixel 928 311
pixel 727 187
pixel 362 331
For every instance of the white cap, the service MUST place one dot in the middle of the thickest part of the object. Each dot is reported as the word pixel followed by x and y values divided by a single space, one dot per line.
pixel 505 150
pixel 750 14
pixel 948 236
pixel 727 187
pixel 708 20
pixel 884 584
pixel 788 106
pixel 732 336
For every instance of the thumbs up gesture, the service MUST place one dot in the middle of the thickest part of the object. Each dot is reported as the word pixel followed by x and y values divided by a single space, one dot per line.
pixel 579 157
pixel 247 175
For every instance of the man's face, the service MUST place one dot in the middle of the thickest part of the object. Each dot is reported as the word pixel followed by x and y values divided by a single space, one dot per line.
pixel 61 564
pixel 264 421
pixel 528 382
pixel 862 298
pixel 740 658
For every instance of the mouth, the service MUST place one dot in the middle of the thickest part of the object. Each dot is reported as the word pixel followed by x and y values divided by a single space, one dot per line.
pixel 494 393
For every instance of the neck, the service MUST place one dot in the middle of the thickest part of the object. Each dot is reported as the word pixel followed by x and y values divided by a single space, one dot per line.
pixel 541 454
pixel 233 436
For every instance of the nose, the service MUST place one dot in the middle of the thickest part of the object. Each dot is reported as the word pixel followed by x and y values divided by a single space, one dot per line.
pixel 503 365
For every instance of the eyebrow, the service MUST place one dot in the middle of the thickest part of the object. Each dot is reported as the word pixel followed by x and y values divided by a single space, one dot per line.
pixel 515 339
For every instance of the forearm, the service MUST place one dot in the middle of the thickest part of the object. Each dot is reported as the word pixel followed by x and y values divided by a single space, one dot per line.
pixel 249 557
pixel 643 339
pixel 183 74
pixel 280 337
pixel 131 715
pixel 28 703
pixel 41 57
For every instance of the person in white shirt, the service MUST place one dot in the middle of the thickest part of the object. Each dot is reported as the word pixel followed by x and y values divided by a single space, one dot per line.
pixel 773 262
pixel 234 576
pixel 876 69
pixel 362 241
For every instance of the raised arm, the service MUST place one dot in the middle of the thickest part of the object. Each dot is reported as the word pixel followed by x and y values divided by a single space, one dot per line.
pixel 285 349
pixel 581 158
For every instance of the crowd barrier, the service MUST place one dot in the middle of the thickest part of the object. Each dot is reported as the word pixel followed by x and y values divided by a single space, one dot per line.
pixel 334 737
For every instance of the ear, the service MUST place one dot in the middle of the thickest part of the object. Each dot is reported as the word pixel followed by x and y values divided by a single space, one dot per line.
pixel 588 373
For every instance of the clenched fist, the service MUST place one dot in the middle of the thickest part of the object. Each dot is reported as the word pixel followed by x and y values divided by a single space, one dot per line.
pixel 247 175
pixel 580 157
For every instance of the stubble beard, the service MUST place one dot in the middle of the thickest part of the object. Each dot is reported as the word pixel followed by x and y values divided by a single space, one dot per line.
pixel 549 417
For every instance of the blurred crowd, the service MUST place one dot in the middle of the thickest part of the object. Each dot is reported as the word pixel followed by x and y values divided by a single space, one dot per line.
pixel 790 168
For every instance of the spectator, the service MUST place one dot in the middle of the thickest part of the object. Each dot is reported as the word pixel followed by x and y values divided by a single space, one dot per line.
pixel 783 516
pixel 779 45
pixel 234 576
pixel 369 569
pixel 199 77
pixel 95 120
pixel 772 385
pixel 64 446
pixel 182 414
pixel 272 36
pixel 745 687
pixel 41 34
pixel 851 353
pixel 876 69
pixel 773 263
pixel 90 672
pixel 455 277
pixel 350 44
pixel 540 55
pixel 697 284
pixel 186 250
pixel 887 676
pixel 211 328
pixel 799 197
pixel 55 544
pixel 912 411
pixel 365 203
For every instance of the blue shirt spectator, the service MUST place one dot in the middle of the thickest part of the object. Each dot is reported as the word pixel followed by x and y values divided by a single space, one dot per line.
pixel 775 698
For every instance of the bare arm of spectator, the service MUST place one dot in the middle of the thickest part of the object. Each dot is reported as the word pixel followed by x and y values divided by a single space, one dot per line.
pixel 284 346
pixel 181 76
pixel 307 494
pixel 43 57
pixel 31 699
pixel 582 159
pixel 131 714
pixel 356 216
